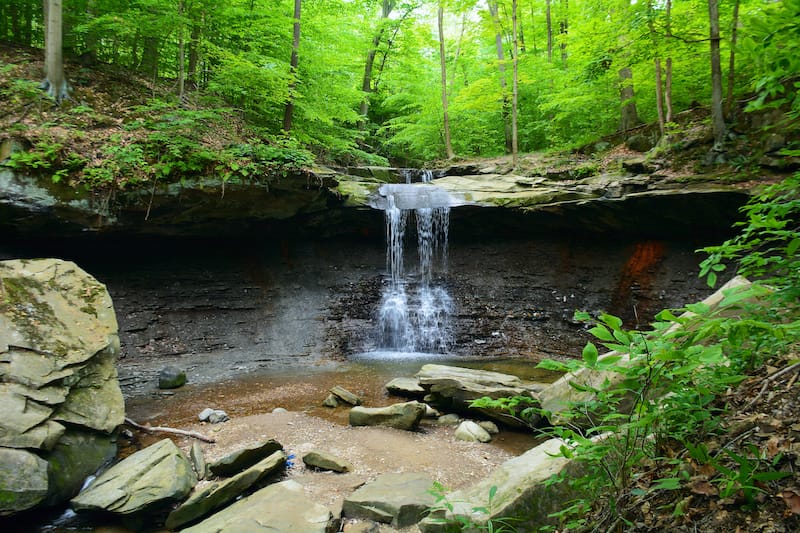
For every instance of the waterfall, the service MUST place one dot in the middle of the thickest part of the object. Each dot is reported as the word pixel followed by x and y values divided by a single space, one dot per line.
pixel 415 308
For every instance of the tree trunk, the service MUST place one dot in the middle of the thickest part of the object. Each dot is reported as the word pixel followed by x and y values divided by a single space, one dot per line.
pixel 366 82
pixel 501 67
pixel 27 26
pixel 149 64
pixel 448 146
pixel 732 61
pixel 549 31
pixel 668 91
pixel 563 30
pixel 515 86
pixel 659 97
pixel 194 44
pixel 55 82
pixel 288 112
pixel 458 53
pixel 717 118
pixel 630 118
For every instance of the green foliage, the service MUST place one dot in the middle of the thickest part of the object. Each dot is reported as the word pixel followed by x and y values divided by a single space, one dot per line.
pixel 668 396
pixel 443 507
pixel 770 43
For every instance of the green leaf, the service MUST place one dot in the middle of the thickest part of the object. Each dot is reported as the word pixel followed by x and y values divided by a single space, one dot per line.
pixel 602 333
pixel 590 355
pixel 667 483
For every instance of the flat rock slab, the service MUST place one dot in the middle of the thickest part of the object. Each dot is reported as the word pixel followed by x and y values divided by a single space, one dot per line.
pixel 279 508
pixel 405 387
pixel 397 499
pixel 142 483
pixel 522 493
pixel 239 460
pixel 405 416
pixel 326 461
pixel 218 494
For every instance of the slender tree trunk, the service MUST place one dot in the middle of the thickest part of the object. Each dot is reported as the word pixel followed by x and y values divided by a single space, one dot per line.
pixel 732 61
pixel 515 86
pixel 659 96
pixel 549 31
pixel 366 82
pixel 717 118
pixel 293 62
pixel 501 67
pixel 668 75
pixel 448 145
pixel 27 34
pixel 181 56
pixel 629 116
pixel 55 82
pixel 194 45
pixel 89 56
pixel 458 54
pixel 564 30
pixel 668 91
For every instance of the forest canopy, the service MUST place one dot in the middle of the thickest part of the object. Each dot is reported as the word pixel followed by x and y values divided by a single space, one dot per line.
pixel 378 80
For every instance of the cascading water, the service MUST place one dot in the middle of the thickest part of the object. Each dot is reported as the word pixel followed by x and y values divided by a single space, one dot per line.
pixel 414 311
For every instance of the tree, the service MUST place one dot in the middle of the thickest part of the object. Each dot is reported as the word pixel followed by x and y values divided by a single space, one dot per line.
pixel 293 62
pixel 629 115
pixel 501 67
pixel 366 81
pixel 515 86
pixel 55 83
pixel 448 146
pixel 717 117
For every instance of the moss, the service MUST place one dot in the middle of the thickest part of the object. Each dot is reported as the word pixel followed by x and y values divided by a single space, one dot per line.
pixel 21 304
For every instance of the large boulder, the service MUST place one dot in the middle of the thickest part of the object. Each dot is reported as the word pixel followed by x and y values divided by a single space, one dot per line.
pixel 397 499
pixel 519 489
pixel 58 347
pixel 279 508
pixel 142 484
pixel 452 388
pixel 399 416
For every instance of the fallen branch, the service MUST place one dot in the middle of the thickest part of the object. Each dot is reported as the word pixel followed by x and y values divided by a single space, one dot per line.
pixel 157 429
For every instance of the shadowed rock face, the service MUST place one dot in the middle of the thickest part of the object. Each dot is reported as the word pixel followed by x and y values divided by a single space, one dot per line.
pixel 221 309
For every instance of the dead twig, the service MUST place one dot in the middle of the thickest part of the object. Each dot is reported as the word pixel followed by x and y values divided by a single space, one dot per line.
pixel 769 379
pixel 157 429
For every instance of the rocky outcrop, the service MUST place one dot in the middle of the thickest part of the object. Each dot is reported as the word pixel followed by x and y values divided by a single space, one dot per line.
pixel 279 508
pixel 140 485
pixel 397 499
pixel 518 490
pixel 58 347
pixel 452 388
pixel 405 416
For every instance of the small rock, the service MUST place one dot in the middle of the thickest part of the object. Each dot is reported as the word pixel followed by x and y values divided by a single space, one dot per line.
pixel 448 419
pixel 345 395
pixel 405 387
pixel 279 410
pixel 326 461
pixel 171 377
pixel 469 431
pixel 331 401
pixel 213 416
pixel 430 412
pixel 490 427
